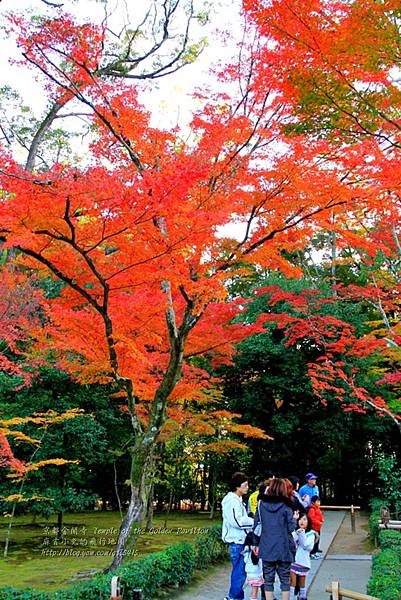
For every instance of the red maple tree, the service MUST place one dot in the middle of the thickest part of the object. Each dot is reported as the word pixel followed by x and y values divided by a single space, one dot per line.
pixel 138 234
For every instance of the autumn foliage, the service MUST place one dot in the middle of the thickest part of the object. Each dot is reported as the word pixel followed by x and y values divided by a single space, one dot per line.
pixel 138 232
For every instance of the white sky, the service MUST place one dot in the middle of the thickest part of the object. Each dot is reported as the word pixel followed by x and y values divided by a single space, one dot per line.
pixel 169 99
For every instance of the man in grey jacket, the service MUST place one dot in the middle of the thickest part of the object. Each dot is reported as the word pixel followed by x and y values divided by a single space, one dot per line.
pixel 236 524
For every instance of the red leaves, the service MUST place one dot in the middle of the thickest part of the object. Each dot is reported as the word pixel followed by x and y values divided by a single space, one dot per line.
pixel 335 369
pixel 19 304
pixel 140 231
pixel 7 458
pixel 69 53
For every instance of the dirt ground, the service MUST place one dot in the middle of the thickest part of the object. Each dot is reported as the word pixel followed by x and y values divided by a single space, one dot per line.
pixel 346 542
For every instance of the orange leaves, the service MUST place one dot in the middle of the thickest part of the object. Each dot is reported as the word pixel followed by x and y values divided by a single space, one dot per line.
pixel 62 48
pixel 144 229
pixel 216 431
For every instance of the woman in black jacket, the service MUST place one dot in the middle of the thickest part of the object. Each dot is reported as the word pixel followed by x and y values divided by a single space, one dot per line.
pixel 276 546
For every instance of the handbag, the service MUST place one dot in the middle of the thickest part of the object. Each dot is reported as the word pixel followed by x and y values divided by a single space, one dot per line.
pixel 258 529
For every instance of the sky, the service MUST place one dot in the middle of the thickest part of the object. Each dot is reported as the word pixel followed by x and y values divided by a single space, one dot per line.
pixel 169 98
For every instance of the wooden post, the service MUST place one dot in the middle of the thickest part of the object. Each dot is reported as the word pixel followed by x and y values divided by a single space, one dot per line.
pixel 335 587
pixel 137 594
pixel 385 514
pixel 115 589
pixel 341 593
pixel 352 519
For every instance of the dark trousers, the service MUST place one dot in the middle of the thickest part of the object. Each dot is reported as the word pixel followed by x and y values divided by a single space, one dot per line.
pixel 282 568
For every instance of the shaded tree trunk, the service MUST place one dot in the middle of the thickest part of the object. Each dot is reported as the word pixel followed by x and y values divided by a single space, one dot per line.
pixel 141 482
pixel 169 507
pixel 59 524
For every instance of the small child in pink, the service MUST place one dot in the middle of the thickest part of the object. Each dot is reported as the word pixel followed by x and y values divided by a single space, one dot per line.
pixel 253 570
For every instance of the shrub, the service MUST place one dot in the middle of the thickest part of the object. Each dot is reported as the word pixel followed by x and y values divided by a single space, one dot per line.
pixel 385 582
pixel 173 566
pixel 28 594
pixel 98 587
pixel 210 548
pixel 390 538
pixel 376 505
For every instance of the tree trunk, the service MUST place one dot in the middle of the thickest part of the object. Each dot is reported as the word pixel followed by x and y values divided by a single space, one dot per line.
pixel 149 508
pixel 333 244
pixel 212 490
pixel 149 514
pixel 169 507
pixel 141 481
pixel 59 524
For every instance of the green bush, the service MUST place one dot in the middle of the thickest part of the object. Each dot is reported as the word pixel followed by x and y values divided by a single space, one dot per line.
pixel 385 582
pixel 210 548
pixel 98 587
pixel 173 566
pixel 390 538
pixel 376 505
pixel 28 594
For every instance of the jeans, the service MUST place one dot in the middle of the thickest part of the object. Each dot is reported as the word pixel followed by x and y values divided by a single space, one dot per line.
pixel 238 574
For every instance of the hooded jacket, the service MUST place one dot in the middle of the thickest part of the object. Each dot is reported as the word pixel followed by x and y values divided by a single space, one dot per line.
pixel 235 519
pixel 276 542
pixel 304 542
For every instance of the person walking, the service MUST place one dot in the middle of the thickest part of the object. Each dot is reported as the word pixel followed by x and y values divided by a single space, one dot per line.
pixel 236 524
pixel 309 489
pixel 275 545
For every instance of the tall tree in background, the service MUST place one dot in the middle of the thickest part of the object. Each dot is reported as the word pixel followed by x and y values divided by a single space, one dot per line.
pixel 336 68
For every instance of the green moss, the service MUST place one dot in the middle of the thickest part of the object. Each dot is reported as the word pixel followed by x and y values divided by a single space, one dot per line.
pixel 27 564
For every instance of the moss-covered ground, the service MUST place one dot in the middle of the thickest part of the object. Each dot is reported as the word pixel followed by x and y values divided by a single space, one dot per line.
pixel 36 558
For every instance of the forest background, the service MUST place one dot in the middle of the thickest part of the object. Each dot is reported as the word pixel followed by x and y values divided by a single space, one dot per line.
pixel 179 303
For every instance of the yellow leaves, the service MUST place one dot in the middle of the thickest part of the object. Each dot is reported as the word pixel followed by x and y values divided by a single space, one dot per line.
pixel 43 419
pixel 51 417
pixel 21 498
pixel 44 463
pixel 30 467
pixel 21 437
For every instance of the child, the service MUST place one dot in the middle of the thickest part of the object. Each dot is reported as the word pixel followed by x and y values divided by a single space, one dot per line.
pixel 317 519
pixel 304 538
pixel 253 568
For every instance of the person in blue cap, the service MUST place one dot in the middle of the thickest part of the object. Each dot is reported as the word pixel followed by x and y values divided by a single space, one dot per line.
pixel 309 489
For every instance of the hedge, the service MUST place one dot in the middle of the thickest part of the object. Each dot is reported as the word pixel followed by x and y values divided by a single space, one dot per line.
pixel 385 582
pixel 173 566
